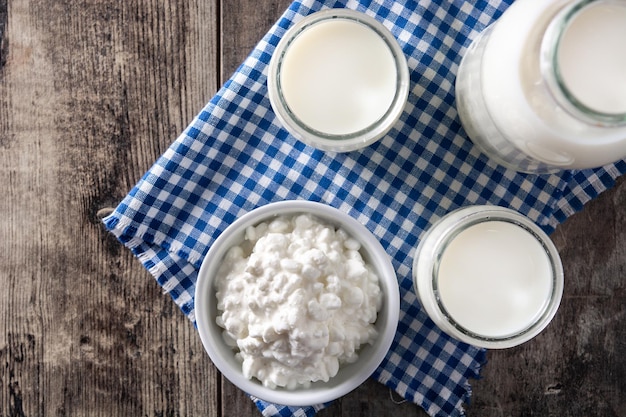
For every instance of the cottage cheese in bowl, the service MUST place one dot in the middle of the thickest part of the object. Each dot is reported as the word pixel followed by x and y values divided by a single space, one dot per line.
pixel 297 303
pixel 296 300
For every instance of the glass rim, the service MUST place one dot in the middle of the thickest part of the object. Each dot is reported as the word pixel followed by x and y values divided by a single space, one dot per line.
pixel 551 69
pixel 315 137
pixel 428 256
pixel 545 313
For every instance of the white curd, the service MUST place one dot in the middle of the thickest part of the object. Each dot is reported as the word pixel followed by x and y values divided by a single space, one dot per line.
pixel 296 300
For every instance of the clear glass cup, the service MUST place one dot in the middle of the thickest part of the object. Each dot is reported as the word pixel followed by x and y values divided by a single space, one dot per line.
pixel 512 90
pixel 488 276
pixel 305 112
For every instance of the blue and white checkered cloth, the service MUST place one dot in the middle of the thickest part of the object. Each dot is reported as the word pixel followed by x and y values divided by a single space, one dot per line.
pixel 235 156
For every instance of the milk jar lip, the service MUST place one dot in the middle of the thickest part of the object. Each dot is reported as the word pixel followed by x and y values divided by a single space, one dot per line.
pixel 337 142
pixel 551 70
pixel 429 253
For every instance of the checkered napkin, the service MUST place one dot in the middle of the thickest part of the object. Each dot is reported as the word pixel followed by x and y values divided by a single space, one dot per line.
pixel 235 156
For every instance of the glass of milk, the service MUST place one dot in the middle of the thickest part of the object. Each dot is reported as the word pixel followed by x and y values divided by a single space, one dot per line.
pixel 338 80
pixel 488 276
pixel 544 87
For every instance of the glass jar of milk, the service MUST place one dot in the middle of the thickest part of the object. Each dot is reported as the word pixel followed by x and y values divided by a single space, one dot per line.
pixel 338 80
pixel 544 87
pixel 488 276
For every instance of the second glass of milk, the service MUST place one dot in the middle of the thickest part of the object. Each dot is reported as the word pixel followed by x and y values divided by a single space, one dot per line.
pixel 488 276
pixel 544 87
pixel 338 80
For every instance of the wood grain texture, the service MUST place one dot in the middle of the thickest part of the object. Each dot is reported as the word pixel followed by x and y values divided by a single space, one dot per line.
pixel 91 93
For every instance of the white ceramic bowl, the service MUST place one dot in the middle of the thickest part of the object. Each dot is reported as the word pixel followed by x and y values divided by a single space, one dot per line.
pixel 349 376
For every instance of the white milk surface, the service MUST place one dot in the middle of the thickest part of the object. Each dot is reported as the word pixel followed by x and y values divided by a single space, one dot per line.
pixel 515 97
pixel 592 57
pixel 338 77
pixel 495 278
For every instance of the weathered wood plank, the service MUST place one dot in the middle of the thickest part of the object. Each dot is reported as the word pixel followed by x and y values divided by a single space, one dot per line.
pixel 91 93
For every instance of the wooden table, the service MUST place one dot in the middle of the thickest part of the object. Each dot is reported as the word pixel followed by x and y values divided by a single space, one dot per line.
pixel 91 93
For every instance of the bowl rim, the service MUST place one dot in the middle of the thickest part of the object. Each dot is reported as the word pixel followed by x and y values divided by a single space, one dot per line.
pixel 389 312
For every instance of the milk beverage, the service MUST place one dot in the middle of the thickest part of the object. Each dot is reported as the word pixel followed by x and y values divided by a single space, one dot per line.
pixel 338 77
pixel 542 88
pixel 338 80
pixel 488 276
pixel 494 278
